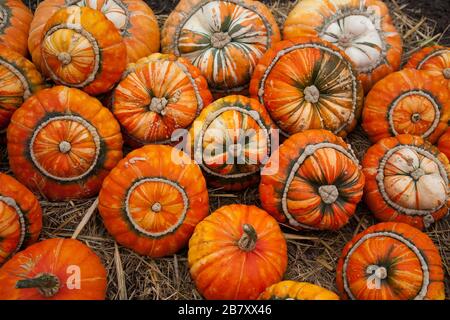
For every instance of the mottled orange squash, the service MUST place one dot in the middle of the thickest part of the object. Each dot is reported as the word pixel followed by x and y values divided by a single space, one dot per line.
pixel 236 253
pixel 407 101
pixel 293 290
pixel 152 200
pixel 81 48
pixel 158 95
pixel 15 19
pixel 390 261
pixel 407 180
pixel 20 217
pixel 62 143
pixel 444 143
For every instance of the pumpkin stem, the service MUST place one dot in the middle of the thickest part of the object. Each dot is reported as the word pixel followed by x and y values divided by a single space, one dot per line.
pixel 220 39
pixel 47 284
pixel 158 105
pixel 64 146
pixel 328 193
pixel 446 73
pixel 64 58
pixel 415 117
pixel 311 94
pixel 156 207
pixel 416 174
pixel 247 242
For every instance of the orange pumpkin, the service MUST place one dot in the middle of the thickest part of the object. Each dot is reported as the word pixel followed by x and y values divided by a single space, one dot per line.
pixel 224 39
pixel 307 83
pixel 20 217
pixel 407 101
pixel 407 180
pixel 230 140
pixel 293 290
pixel 390 261
pixel 133 18
pixel 313 181
pixel 81 48
pixel 54 269
pixel 19 79
pixel 158 95
pixel 152 200
pixel 15 19
pixel 62 143
pixel 236 252
pixel 363 29
pixel 444 143
pixel 434 59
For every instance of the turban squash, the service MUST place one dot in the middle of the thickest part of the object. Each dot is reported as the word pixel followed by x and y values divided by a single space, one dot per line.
pixel 20 217
pixel 19 79
pixel 293 290
pixel 407 101
pixel 159 94
pixel 224 39
pixel 435 60
pixel 134 19
pixel 230 140
pixel 362 28
pixel 15 19
pixel 390 261
pixel 81 48
pixel 62 143
pixel 236 252
pixel 152 200
pixel 54 269
pixel 313 181
pixel 407 180
pixel 307 83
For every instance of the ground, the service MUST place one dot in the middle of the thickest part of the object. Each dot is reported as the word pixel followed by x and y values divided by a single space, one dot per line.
pixel 312 255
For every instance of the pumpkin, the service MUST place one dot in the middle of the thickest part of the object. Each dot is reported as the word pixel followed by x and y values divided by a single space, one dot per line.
pixel 434 59
pixel 81 48
pixel 20 217
pixel 407 180
pixel 15 19
pixel 19 79
pixel 390 261
pixel 313 181
pixel 158 95
pixel 152 200
pixel 236 252
pixel 407 101
pixel 307 83
pixel 54 269
pixel 62 143
pixel 362 28
pixel 134 19
pixel 224 39
pixel 444 143
pixel 230 140
pixel 293 290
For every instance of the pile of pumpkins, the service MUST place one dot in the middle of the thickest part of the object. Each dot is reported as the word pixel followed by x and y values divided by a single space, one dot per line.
pixel 207 112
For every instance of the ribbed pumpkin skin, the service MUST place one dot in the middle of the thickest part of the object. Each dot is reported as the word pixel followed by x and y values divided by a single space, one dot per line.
pixel 15 24
pixel 362 28
pixel 20 217
pixel 152 200
pixel 224 39
pixel 57 257
pixel 18 80
pixel 133 18
pixel 293 290
pixel 444 143
pixel 313 181
pixel 404 252
pixel 81 48
pixel 435 60
pixel 159 94
pixel 407 101
pixel 306 83
pixel 407 180
pixel 230 139
pixel 221 269
pixel 62 143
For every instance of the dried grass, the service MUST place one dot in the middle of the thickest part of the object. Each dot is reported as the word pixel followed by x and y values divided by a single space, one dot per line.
pixel 312 255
